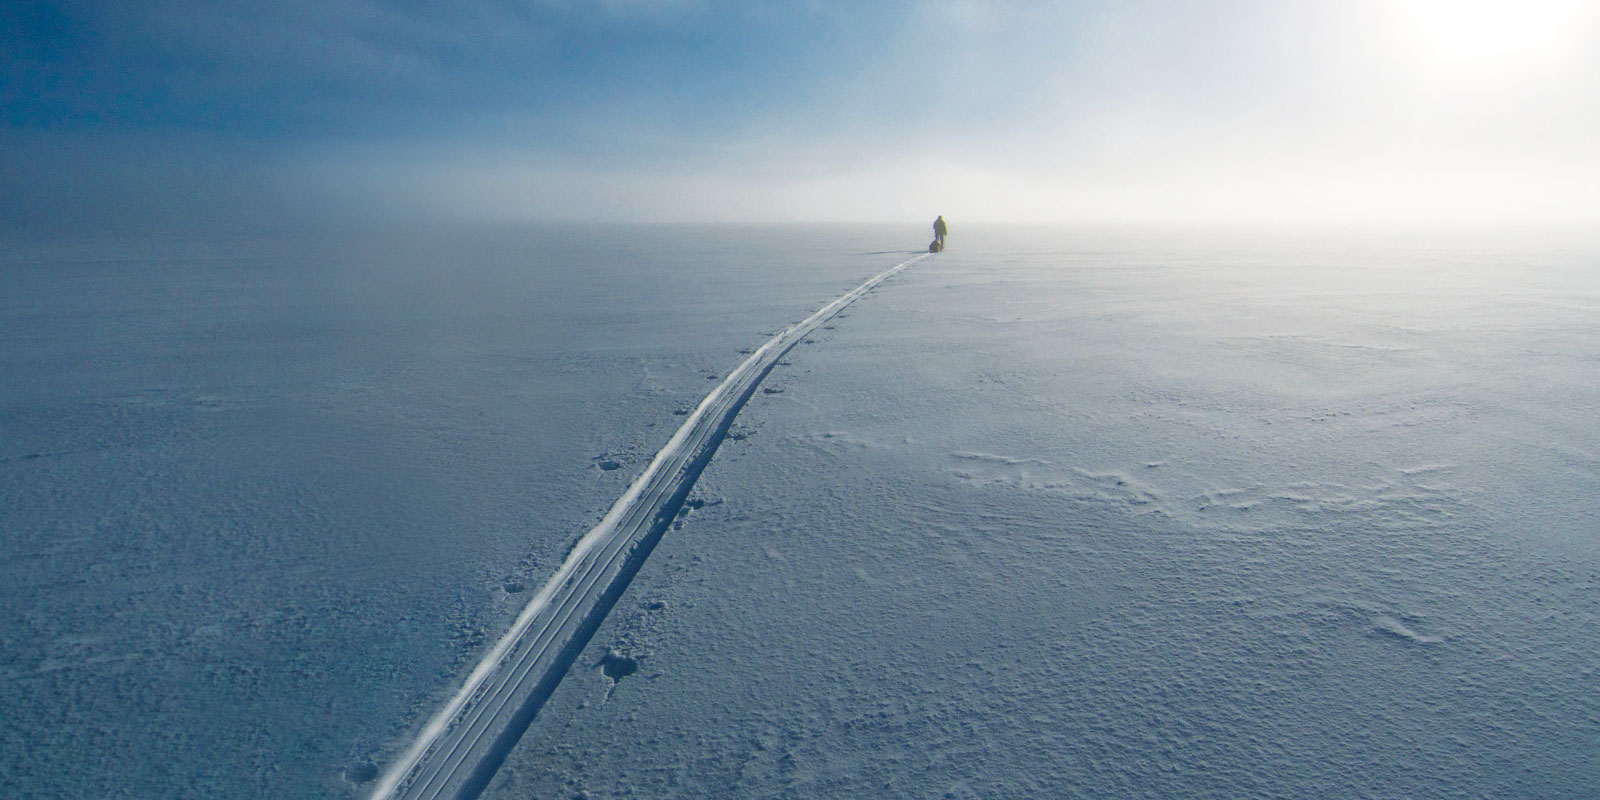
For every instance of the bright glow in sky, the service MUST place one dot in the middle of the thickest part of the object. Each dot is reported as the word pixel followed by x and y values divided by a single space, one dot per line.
pixel 1114 110
pixel 1466 42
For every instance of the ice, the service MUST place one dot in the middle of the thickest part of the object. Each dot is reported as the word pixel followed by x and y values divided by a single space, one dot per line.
pixel 1054 513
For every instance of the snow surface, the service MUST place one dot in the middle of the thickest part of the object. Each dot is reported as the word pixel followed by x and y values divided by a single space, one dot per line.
pixel 265 502
pixel 464 744
pixel 1054 513
pixel 1054 516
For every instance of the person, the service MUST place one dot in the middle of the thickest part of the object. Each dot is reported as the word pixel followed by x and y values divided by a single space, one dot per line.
pixel 938 234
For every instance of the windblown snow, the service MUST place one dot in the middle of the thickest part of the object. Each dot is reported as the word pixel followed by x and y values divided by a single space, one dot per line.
pixel 1057 513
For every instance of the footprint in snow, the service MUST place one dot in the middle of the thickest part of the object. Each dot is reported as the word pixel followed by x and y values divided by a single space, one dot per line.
pixel 364 772
pixel 616 666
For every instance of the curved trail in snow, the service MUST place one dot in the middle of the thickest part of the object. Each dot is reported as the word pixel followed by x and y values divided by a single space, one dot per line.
pixel 464 744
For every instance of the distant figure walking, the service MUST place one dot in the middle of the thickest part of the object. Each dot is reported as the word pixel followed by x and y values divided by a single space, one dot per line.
pixel 939 230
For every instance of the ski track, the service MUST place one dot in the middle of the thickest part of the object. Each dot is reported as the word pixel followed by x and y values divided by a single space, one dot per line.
pixel 462 746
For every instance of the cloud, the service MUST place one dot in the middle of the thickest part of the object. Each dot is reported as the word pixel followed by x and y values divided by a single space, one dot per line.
pixel 702 109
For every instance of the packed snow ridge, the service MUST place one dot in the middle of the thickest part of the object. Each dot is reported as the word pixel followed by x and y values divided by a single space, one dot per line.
pixel 465 742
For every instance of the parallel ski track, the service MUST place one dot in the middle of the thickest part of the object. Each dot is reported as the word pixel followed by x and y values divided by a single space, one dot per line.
pixel 464 744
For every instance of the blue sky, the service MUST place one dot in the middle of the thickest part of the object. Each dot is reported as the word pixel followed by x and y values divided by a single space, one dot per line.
pixel 1118 110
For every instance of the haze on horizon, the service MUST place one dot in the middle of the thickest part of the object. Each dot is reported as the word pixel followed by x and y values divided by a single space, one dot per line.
pixel 699 110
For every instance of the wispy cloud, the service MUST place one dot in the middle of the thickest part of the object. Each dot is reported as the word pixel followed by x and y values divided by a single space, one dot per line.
pixel 705 109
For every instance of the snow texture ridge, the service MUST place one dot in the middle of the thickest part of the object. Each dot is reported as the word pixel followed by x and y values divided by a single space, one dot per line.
pixel 462 746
